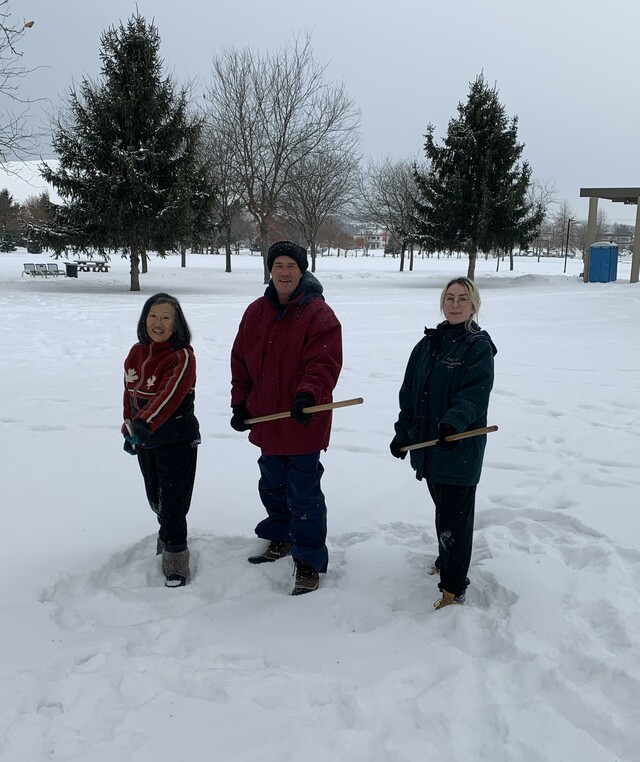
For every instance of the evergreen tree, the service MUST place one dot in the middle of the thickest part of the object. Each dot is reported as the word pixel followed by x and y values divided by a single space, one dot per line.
pixel 473 197
pixel 6 242
pixel 129 166
pixel 33 245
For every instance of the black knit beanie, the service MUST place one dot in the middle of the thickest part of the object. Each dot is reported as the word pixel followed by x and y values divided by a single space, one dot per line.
pixel 288 249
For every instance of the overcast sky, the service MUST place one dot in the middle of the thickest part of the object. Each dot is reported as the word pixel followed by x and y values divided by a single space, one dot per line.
pixel 567 68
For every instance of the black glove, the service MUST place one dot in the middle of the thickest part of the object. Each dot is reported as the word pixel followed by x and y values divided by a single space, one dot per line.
pixel 395 450
pixel 302 400
pixel 240 415
pixel 129 447
pixel 141 431
pixel 445 430
pixel 131 438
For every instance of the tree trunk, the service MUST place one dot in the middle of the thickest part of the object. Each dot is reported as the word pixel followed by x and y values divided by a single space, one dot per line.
pixel 511 259
pixel 183 256
pixel 134 258
pixel 313 256
pixel 144 260
pixel 471 271
pixel 227 248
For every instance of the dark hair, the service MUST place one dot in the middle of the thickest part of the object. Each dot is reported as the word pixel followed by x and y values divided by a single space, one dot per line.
pixel 181 331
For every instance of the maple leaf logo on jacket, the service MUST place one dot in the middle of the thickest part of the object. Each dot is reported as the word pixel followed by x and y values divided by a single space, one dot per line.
pixel 151 381
pixel 130 376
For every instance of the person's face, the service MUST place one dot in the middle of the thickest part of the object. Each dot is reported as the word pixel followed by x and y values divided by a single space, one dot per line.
pixel 286 276
pixel 160 322
pixel 457 307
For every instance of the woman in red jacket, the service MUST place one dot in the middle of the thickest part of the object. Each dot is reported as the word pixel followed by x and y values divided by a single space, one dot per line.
pixel 160 426
pixel 287 356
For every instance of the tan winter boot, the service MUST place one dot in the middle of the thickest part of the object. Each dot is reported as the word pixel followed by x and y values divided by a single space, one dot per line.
pixel 175 567
pixel 448 599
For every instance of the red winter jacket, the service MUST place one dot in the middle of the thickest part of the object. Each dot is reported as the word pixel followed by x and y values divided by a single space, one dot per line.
pixel 280 351
pixel 159 393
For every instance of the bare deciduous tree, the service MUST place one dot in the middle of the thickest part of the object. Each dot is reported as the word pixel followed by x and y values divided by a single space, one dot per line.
pixel 320 187
pixel 274 111
pixel 542 194
pixel 387 196
pixel 15 136
pixel 225 178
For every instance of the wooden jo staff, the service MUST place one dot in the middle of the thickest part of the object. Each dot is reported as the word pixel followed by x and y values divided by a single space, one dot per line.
pixel 451 438
pixel 312 409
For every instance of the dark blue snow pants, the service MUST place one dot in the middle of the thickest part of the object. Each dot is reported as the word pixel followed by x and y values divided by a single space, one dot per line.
pixel 289 488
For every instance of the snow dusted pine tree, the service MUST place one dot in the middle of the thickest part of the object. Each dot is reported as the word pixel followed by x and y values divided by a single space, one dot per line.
pixel 129 170
pixel 473 197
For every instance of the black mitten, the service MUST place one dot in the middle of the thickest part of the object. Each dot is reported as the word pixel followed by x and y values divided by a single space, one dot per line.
pixel 395 450
pixel 302 400
pixel 240 415
pixel 445 430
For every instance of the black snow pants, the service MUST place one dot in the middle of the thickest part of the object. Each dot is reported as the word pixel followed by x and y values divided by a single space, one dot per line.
pixel 455 508
pixel 169 473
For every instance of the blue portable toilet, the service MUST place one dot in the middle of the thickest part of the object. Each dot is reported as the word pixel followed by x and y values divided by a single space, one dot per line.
pixel 603 262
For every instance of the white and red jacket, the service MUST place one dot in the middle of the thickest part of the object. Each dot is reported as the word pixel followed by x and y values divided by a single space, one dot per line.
pixel 159 393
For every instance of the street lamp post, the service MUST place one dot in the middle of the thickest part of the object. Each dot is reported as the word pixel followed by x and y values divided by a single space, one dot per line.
pixel 566 248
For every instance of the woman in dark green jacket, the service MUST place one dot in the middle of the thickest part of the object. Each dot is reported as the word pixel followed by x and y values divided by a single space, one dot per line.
pixel 446 391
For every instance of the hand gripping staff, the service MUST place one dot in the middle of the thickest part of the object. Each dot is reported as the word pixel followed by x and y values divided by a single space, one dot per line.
pixel 451 438
pixel 312 409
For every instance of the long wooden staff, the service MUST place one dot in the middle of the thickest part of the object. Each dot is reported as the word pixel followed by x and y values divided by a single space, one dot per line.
pixel 312 409
pixel 451 438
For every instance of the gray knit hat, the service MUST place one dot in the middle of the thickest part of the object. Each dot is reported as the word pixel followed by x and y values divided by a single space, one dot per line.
pixel 288 249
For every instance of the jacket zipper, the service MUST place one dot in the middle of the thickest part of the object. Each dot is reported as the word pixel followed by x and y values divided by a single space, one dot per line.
pixel 139 384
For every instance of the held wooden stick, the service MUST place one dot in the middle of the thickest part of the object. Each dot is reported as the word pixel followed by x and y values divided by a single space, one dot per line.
pixel 451 438
pixel 312 409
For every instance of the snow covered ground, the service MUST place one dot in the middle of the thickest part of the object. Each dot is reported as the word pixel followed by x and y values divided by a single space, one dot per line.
pixel 99 662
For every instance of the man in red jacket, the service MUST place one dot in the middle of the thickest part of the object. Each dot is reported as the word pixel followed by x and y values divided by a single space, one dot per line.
pixel 288 356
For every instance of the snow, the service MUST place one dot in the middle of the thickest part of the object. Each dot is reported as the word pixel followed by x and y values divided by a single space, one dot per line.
pixel 101 662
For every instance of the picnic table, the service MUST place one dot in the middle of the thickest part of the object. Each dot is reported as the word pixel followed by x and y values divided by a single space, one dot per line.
pixel 93 265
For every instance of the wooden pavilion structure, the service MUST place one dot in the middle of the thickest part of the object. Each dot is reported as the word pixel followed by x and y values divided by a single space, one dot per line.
pixel 620 196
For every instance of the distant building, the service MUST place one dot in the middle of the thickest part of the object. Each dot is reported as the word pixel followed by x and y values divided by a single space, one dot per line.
pixel 376 239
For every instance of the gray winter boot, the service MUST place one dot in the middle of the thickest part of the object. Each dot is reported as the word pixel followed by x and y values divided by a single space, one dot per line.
pixel 175 567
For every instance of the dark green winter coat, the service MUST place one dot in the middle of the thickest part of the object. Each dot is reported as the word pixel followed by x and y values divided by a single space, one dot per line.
pixel 448 380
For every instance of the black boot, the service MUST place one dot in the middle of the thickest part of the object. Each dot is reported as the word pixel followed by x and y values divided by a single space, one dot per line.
pixel 273 552
pixel 307 578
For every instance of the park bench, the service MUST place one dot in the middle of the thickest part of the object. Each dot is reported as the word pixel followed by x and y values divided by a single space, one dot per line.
pixel 42 270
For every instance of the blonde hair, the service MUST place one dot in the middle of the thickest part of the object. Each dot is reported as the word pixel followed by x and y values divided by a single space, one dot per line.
pixel 473 294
